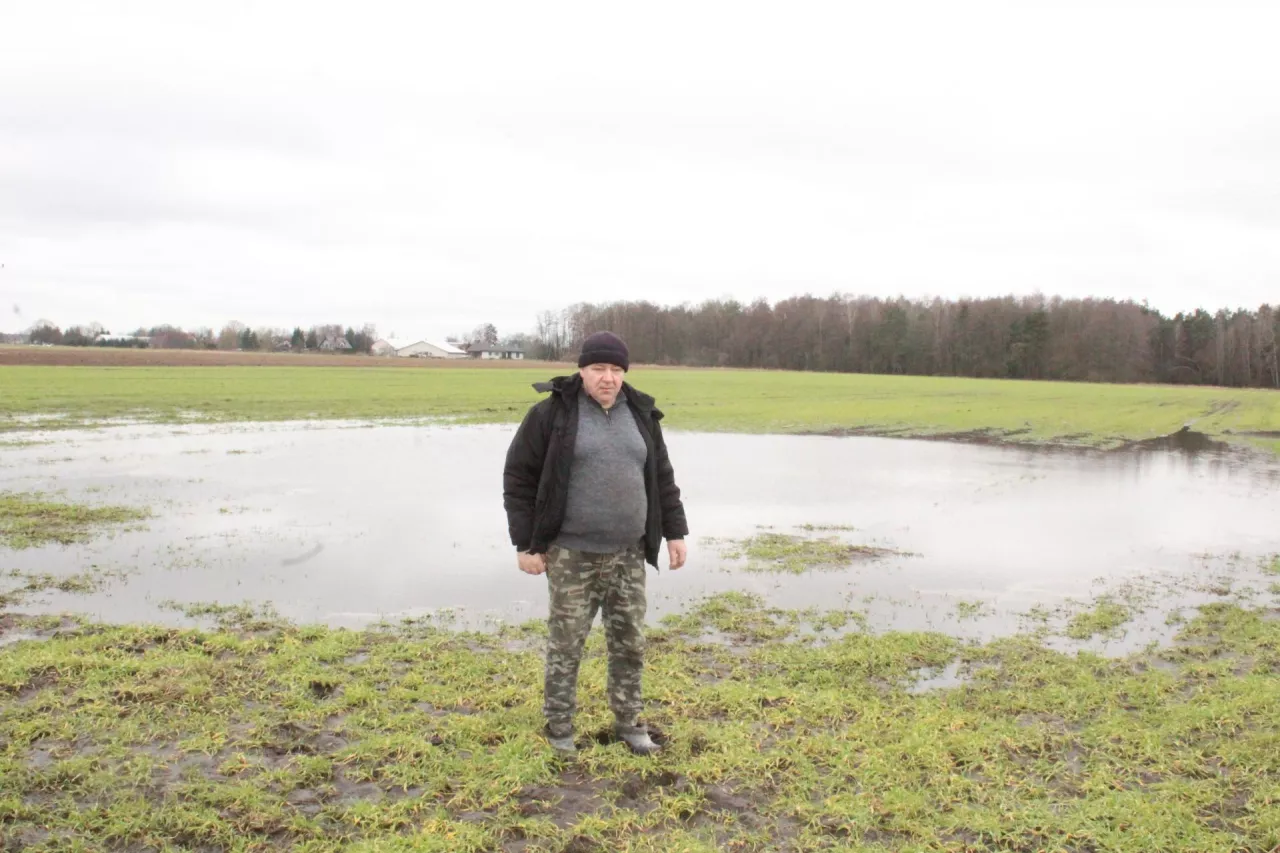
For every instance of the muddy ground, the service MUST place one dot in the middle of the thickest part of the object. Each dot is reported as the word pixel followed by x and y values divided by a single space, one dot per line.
pixel 781 733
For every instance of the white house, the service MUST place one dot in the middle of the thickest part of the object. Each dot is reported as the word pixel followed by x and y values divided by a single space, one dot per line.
pixel 487 352
pixel 404 348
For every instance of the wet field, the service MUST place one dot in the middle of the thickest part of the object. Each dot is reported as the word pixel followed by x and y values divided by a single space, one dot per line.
pixel 347 524
pixel 842 705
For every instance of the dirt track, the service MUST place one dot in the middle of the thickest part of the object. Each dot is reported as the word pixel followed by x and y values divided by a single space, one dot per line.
pixel 112 357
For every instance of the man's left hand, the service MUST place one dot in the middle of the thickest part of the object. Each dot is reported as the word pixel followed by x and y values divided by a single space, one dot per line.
pixel 677 552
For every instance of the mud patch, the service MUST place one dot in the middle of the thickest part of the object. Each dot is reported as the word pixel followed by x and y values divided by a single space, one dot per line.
pixel 1255 433
pixel 576 796
pixel 980 437
pixel 1185 440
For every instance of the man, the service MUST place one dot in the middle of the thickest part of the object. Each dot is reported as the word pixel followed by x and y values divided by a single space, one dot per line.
pixel 590 495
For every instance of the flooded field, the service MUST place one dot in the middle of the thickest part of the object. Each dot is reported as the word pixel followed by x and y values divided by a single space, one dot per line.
pixel 867 694
pixel 346 524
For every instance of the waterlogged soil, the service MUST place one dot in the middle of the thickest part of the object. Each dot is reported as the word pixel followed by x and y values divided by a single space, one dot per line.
pixel 421 739
pixel 866 696
pixel 348 524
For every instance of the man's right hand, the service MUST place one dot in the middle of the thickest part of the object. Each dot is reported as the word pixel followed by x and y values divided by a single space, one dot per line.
pixel 532 564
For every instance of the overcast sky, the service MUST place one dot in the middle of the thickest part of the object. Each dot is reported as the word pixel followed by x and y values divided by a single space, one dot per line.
pixel 428 167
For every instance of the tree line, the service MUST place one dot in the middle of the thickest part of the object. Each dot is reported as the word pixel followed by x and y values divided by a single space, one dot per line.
pixel 1092 340
pixel 1032 337
pixel 234 336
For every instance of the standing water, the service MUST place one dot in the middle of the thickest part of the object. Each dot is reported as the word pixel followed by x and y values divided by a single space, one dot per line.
pixel 349 524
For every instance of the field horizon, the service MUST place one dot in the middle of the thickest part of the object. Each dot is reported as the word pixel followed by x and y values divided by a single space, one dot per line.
pixel 271 388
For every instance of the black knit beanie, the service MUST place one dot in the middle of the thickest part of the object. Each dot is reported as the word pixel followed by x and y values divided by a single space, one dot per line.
pixel 604 348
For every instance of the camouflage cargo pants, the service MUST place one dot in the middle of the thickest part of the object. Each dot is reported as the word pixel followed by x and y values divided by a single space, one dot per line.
pixel 580 584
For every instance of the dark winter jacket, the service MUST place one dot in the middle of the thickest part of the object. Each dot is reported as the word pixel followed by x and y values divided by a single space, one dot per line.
pixel 535 482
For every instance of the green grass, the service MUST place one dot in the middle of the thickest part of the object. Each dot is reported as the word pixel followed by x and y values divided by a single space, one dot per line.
pixel 280 737
pixel 1106 618
pixel 19 443
pixel 245 616
pixel 728 400
pixel 788 554
pixel 28 520
pixel 790 731
pixel 973 609
pixel 18 585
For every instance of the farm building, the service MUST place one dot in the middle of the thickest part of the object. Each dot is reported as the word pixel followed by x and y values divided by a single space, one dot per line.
pixel 389 346
pixel 488 352
pixel 415 349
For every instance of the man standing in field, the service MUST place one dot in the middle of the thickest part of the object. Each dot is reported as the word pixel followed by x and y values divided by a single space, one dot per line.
pixel 590 495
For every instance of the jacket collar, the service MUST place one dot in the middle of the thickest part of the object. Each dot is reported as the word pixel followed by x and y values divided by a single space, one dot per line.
pixel 565 386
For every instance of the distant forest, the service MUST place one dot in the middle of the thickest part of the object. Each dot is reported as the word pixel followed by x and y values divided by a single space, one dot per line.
pixel 1088 340
pixel 1092 340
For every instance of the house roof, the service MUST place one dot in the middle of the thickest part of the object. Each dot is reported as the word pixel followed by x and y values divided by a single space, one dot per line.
pixel 495 349
pixel 400 343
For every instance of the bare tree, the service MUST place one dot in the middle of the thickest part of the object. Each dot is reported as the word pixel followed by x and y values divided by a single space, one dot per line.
pixel 229 337
pixel 486 334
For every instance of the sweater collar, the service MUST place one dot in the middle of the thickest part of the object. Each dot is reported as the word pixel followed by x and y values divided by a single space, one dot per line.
pixel 585 398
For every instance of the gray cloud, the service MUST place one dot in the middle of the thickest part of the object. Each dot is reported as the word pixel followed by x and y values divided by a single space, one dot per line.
pixel 430 169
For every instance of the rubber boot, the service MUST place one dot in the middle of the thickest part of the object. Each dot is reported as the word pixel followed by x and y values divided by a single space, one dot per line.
pixel 562 744
pixel 636 738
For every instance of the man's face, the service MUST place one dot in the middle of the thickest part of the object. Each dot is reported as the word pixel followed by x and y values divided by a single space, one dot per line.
pixel 603 382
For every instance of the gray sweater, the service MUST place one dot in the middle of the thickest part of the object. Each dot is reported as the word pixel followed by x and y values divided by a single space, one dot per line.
pixel 607 505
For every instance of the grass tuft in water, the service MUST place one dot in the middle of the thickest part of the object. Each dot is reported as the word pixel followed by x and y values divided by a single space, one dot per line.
pixel 245 617
pixel 789 554
pixel 973 609
pixel 1106 618
pixel 34 583
pixel 29 519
